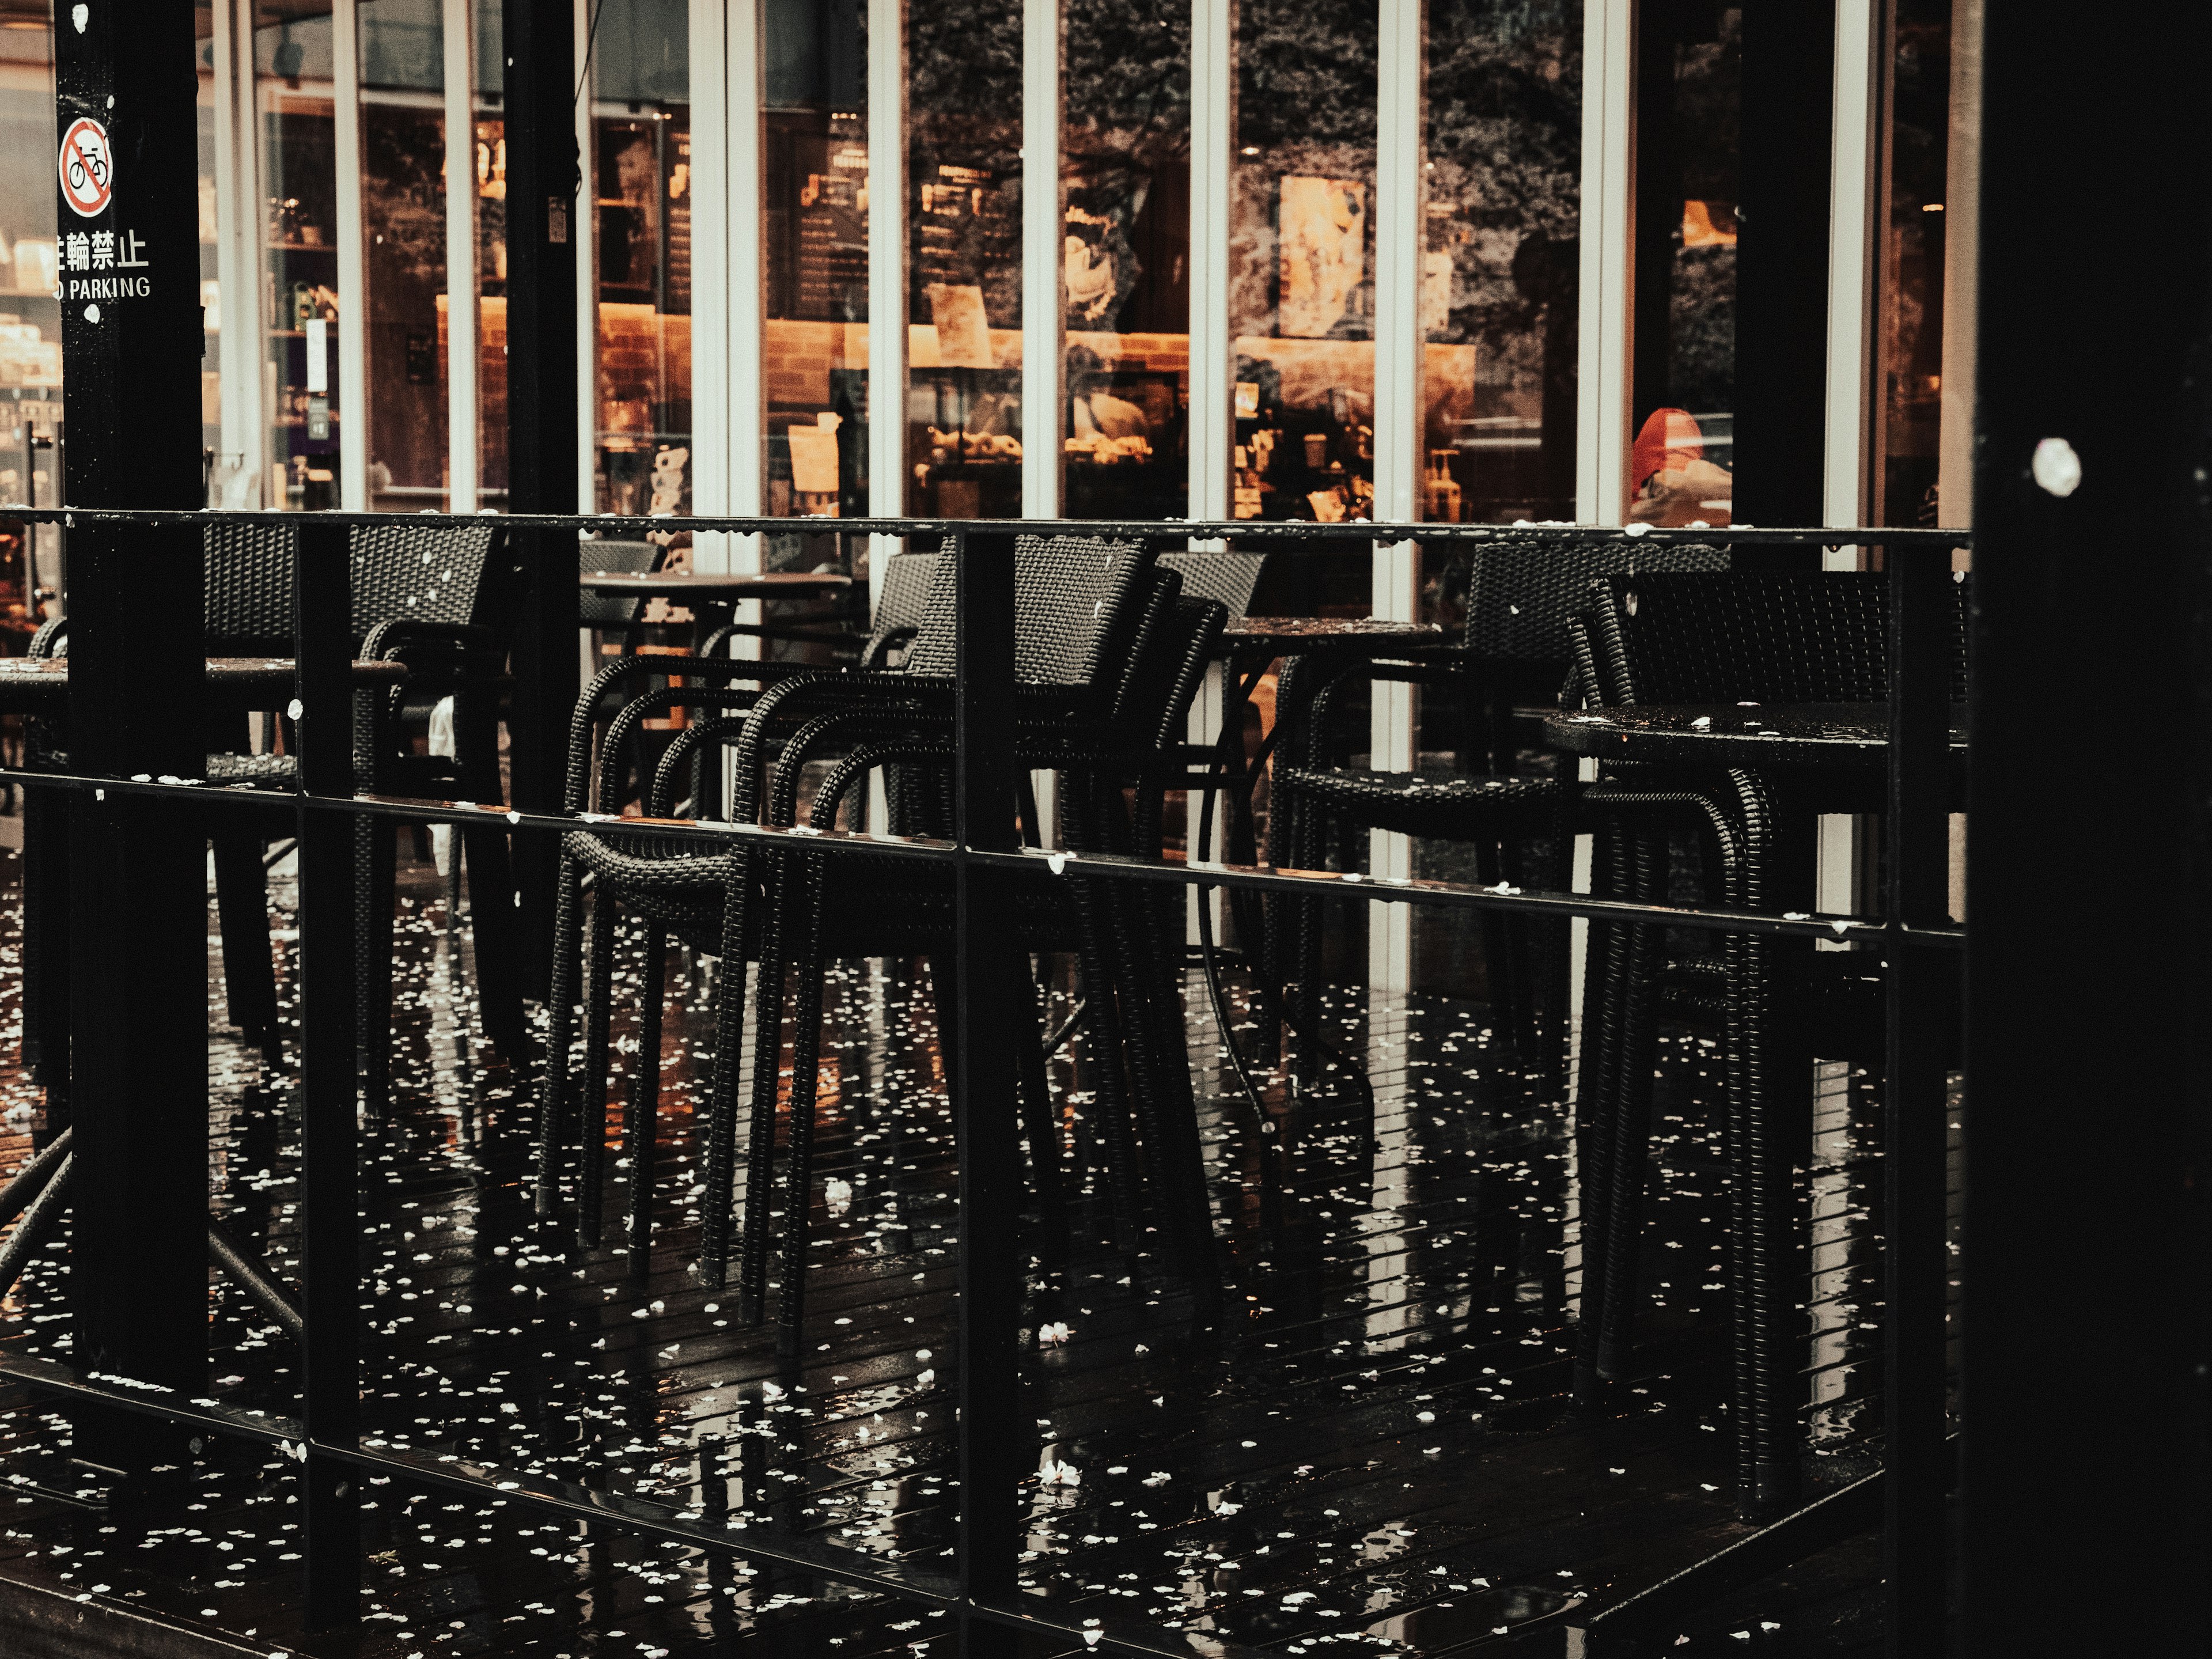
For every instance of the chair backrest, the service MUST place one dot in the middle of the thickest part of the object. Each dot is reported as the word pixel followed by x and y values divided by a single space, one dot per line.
pixel 1520 594
pixel 614 609
pixel 1231 578
pixel 1808 636
pixel 441 569
pixel 1073 610
pixel 902 606
pixel 246 595
pixel 438 569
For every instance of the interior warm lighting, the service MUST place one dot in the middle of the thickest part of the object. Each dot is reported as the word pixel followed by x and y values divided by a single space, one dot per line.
pixel 1931 207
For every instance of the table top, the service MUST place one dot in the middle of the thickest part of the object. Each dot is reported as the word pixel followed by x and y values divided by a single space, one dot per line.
pixel 1295 636
pixel 1736 734
pixel 710 584
pixel 41 677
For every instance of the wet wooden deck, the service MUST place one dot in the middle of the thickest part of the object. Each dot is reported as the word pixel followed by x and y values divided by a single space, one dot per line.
pixel 1372 1444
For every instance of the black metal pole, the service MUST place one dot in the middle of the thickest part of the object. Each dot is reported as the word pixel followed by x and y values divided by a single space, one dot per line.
pixel 994 1452
pixel 2086 1255
pixel 545 215
pixel 1916 1454
pixel 127 199
pixel 321 588
pixel 1779 452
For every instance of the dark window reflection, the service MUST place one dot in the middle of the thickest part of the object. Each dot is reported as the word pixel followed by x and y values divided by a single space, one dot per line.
pixel 964 260
pixel 1500 260
pixel 1126 171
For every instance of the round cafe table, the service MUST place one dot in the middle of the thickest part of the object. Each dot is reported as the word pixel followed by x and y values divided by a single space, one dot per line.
pixel 711 596
pixel 1770 767
pixel 39 686
pixel 1757 736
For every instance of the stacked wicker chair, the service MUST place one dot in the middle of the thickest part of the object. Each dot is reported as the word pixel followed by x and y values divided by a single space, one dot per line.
pixel 440 597
pixel 1517 645
pixel 1815 637
pixel 1108 657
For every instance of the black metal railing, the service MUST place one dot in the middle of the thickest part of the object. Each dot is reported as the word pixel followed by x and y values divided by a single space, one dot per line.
pixel 1911 934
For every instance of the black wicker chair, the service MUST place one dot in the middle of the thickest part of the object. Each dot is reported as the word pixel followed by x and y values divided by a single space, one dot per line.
pixel 1087 613
pixel 1814 637
pixel 1516 649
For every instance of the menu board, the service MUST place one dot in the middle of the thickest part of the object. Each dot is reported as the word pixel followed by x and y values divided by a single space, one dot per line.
pixel 966 234
pixel 818 218
pixel 679 222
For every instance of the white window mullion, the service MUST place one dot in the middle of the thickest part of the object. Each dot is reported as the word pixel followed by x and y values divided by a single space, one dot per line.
pixel 1213 135
pixel 1211 425
pixel 458 28
pixel 1399 197
pixel 353 262
pixel 1854 240
pixel 711 301
pixel 887 329
pixel 1607 267
pixel 238 253
pixel 747 464
pixel 1044 312
pixel 584 232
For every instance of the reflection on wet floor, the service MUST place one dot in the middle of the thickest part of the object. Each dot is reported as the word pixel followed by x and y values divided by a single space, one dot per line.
pixel 1371 1442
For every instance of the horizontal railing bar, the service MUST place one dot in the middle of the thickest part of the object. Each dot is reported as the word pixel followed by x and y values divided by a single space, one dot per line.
pixel 1286 532
pixel 1305 883
pixel 565 1498
pixel 580 1502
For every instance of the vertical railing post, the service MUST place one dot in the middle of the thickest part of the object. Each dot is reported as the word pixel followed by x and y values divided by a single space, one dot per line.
pixel 543 218
pixel 322 717
pixel 994 1454
pixel 136 1068
pixel 1920 1008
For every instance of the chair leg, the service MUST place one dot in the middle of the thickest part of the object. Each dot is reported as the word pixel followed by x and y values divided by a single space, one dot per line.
pixel 1160 916
pixel 249 972
pixel 555 1080
pixel 1767 1321
pixel 592 1132
pixel 1632 1133
pixel 805 1080
pixel 46 944
pixel 1109 1105
pixel 1129 970
pixel 375 854
pixel 491 887
pixel 1595 1098
pixel 1040 1124
pixel 640 1122
pixel 760 1141
pixel 722 1111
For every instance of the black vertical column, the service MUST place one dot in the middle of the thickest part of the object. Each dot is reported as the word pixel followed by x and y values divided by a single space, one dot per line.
pixel 127 211
pixel 994 1453
pixel 2087 1267
pixel 329 1146
pixel 545 216
pixel 1782 264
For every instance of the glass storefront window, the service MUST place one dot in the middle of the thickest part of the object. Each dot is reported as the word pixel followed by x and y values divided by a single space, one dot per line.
pixel 1500 260
pixel 963 416
pixel 30 324
pixel 1908 413
pixel 298 165
pixel 1125 174
pixel 814 135
pixel 641 183
pixel 1689 103
pixel 1302 260
pixel 403 144
pixel 488 159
